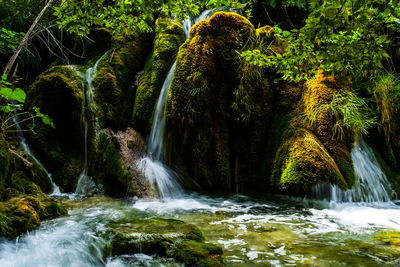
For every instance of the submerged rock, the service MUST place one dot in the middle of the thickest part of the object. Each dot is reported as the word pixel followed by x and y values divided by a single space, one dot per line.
pixel 164 237
pixel 116 163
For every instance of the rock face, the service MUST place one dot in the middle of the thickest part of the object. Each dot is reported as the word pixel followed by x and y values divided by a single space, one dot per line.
pixel 231 127
pixel 169 36
pixel 116 166
pixel 165 238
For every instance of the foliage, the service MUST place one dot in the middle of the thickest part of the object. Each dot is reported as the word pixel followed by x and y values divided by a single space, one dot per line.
pixel 9 41
pixel 77 16
pixel 387 95
pixel 12 101
pixel 350 112
pixel 340 37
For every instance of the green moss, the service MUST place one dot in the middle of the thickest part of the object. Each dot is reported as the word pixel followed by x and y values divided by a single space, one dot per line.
pixel 307 163
pixel 390 238
pixel 51 209
pixel 24 175
pixel 166 238
pixel 195 253
pixel 21 214
pixel 169 36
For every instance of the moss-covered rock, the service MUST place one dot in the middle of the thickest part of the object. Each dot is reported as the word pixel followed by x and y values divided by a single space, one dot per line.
pixel 195 253
pixel 310 153
pixel 306 164
pixel 166 238
pixel 116 163
pixel 169 36
pixel 199 103
pixel 58 93
pixel 22 214
pixel 114 84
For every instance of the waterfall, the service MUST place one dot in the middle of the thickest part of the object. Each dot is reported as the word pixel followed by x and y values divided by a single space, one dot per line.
pixel 159 175
pixel 371 183
pixel 27 149
pixel 85 182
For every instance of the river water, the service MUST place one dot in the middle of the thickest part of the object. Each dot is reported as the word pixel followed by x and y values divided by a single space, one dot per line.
pixel 279 231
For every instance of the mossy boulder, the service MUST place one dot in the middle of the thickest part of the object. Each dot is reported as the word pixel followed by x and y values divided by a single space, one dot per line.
pixel 166 238
pixel 310 153
pixel 306 164
pixel 58 93
pixel 114 84
pixel 22 214
pixel 199 104
pixel 169 35
pixel 115 167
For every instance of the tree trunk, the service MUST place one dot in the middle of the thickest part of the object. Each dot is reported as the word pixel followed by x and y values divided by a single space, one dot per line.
pixel 11 62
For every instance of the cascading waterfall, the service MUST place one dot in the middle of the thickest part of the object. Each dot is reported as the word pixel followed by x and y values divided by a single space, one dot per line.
pixel 85 182
pixel 371 184
pixel 152 167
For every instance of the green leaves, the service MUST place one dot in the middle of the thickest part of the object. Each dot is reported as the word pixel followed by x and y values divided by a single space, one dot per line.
pixel 12 101
pixel 77 16
pixel 45 119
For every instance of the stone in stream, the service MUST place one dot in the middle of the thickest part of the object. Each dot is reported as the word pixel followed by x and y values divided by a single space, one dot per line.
pixel 166 238
pixel 116 164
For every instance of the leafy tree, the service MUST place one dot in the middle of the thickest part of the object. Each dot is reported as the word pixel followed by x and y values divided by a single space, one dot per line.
pixel 78 16
pixel 341 37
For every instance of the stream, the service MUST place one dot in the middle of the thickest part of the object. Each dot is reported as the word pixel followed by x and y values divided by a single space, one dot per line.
pixel 280 231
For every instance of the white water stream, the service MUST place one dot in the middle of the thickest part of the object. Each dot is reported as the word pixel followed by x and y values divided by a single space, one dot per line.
pixel 371 183
pixel 85 183
pixel 156 172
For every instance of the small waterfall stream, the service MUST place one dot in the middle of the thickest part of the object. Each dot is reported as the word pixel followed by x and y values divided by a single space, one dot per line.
pixel 371 184
pixel 85 182
pixel 27 149
pixel 159 175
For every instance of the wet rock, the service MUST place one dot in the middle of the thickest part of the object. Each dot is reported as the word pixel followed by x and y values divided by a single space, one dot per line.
pixel 116 165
